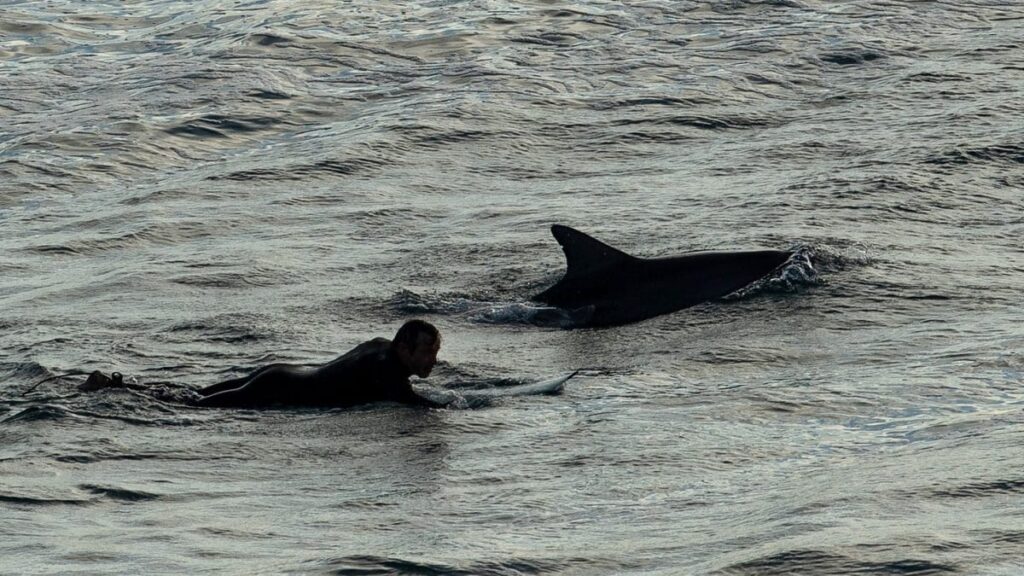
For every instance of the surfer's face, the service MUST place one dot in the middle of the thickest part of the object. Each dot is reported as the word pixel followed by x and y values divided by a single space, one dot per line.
pixel 421 359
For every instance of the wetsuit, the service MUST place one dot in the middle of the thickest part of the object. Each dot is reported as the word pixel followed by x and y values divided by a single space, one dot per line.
pixel 370 372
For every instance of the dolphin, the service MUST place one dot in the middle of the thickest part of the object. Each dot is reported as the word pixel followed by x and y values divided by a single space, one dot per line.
pixel 604 286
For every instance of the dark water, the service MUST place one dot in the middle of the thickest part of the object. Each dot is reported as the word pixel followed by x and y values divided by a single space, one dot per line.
pixel 188 190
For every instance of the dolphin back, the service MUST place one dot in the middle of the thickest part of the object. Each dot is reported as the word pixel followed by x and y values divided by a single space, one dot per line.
pixel 616 288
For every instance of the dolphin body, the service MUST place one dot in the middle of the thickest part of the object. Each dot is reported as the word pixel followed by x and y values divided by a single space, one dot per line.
pixel 604 286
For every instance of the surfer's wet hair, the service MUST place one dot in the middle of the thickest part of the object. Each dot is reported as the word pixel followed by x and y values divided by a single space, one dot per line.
pixel 410 332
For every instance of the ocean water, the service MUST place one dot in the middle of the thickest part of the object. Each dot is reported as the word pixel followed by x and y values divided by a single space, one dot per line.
pixel 192 189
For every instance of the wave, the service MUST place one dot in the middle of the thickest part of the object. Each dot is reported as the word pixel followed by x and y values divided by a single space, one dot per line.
pixel 995 153
pixel 40 501
pixel 121 494
pixel 254 276
pixel 102 456
pixel 97 245
pixel 305 171
pixel 486 311
pixel 230 332
pixel 220 126
pixel 434 138
pixel 851 57
pixel 148 235
pixel 527 313
pixel 23 370
pixel 153 404
pixel 817 562
pixel 104 492
pixel 362 565
pixel 984 489
pixel 39 413
pixel 723 122
pixel 797 273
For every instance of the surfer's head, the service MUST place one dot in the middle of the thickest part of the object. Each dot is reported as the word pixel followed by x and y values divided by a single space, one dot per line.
pixel 416 343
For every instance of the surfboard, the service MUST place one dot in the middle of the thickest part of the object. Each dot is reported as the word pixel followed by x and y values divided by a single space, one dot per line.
pixel 480 397
pixel 548 386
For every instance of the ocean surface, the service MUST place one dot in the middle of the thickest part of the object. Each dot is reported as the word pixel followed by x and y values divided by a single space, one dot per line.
pixel 189 190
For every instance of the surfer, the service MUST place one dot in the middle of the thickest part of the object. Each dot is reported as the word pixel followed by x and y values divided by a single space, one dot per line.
pixel 374 371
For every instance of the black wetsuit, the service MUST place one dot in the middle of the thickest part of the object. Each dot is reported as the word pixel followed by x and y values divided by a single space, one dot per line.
pixel 370 372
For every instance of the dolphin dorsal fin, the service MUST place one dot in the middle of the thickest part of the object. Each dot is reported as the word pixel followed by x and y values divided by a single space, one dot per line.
pixel 585 254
